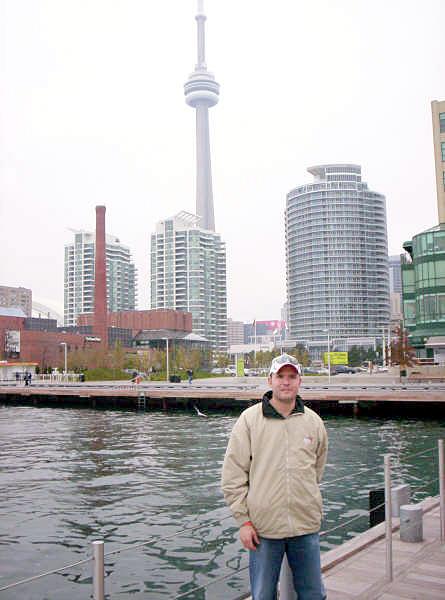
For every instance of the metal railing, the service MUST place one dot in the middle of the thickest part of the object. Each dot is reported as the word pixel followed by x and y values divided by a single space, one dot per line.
pixel 98 555
pixel 286 590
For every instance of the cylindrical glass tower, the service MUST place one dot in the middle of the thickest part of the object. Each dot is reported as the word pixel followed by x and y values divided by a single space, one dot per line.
pixel 336 256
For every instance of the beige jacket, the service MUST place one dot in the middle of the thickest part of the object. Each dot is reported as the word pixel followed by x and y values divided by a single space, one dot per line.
pixel 272 468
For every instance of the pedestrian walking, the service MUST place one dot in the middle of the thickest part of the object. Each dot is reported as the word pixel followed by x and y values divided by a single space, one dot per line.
pixel 190 375
pixel 272 468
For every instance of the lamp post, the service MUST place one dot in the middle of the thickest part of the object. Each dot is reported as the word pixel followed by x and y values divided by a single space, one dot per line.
pixel 329 355
pixel 64 344
pixel 166 352
pixel 383 347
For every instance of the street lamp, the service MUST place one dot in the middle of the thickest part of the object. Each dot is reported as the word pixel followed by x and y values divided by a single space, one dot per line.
pixel 329 355
pixel 166 351
pixel 64 344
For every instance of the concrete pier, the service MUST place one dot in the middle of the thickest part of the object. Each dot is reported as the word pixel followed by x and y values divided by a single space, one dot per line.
pixel 237 393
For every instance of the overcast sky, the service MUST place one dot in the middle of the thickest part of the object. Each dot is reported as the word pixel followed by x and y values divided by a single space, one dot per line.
pixel 93 112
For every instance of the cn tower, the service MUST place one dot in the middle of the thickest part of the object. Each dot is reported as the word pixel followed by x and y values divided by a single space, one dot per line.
pixel 201 92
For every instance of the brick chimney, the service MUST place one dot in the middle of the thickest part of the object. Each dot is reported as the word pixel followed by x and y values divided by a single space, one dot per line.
pixel 100 280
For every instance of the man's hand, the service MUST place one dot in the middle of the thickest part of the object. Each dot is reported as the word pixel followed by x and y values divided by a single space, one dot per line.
pixel 249 537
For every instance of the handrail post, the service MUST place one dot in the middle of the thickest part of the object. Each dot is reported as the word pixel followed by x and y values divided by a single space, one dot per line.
pixel 287 590
pixel 98 570
pixel 388 517
pixel 442 490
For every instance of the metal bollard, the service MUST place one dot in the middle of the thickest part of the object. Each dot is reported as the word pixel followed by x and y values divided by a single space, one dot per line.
pixel 442 490
pixel 286 584
pixel 400 495
pixel 98 570
pixel 411 523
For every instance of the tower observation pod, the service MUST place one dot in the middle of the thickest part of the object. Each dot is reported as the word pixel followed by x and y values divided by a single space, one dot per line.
pixel 201 92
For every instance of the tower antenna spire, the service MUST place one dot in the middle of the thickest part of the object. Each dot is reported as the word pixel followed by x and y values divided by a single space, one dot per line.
pixel 202 92
pixel 201 18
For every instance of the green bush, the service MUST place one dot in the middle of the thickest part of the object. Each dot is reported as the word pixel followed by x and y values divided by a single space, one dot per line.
pixel 161 375
pixel 103 374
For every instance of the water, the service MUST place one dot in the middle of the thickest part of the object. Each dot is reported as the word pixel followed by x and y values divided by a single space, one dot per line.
pixel 71 476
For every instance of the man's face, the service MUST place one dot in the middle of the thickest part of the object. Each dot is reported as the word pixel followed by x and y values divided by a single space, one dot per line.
pixel 285 384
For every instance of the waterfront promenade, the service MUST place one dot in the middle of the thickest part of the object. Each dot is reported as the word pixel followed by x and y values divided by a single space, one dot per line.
pixel 356 569
pixel 361 391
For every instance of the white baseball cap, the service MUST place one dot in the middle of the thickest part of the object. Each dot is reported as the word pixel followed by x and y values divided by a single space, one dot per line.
pixel 284 360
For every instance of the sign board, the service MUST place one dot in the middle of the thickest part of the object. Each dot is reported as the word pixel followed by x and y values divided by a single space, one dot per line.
pixel 240 366
pixel 337 358
pixel 12 343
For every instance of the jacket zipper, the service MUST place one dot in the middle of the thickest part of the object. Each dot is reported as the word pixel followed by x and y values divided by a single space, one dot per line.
pixel 287 480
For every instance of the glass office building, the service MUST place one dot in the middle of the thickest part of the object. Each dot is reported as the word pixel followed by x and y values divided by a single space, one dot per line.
pixel 188 273
pixel 336 257
pixel 423 277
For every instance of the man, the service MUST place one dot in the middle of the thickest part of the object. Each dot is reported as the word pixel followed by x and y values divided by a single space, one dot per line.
pixel 272 467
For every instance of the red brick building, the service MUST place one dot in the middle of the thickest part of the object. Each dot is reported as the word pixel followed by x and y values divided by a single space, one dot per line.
pixel 140 320
pixel 42 347
pixel 19 340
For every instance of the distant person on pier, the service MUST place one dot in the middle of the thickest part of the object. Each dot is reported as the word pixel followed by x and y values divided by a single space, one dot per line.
pixel 273 464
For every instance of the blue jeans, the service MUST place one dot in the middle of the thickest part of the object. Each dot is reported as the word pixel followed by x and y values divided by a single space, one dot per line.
pixel 303 554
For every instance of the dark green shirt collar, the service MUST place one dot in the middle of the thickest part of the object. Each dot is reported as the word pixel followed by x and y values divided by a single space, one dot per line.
pixel 270 412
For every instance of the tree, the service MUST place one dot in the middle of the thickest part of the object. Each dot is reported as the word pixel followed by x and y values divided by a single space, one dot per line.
pixel 355 356
pixel 222 360
pixel 402 352
pixel 197 358
pixel 117 356
pixel 301 354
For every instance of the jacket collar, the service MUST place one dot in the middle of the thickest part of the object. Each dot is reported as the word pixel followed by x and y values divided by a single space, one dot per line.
pixel 270 412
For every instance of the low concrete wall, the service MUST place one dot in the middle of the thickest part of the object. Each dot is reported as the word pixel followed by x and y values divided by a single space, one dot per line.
pixel 426 372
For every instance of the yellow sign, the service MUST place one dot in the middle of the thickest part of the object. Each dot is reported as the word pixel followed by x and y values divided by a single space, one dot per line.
pixel 337 358
pixel 240 366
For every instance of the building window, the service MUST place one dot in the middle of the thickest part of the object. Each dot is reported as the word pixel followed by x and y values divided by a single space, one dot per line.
pixel 442 122
pixel 442 148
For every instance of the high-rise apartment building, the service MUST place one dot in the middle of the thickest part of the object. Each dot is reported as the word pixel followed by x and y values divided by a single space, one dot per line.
pixel 79 276
pixel 438 115
pixel 235 332
pixel 395 274
pixel 395 288
pixel 188 273
pixel 16 297
pixel 336 257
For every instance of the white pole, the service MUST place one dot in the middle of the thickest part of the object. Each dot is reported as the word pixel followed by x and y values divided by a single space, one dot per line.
pixel 389 346
pixel 442 490
pixel 383 347
pixel 166 340
pixel 98 570
pixel 388 516
pixel 329 358
pixel 254 333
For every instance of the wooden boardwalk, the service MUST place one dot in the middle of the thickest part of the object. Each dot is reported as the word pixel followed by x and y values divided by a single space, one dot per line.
pixel 356 569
